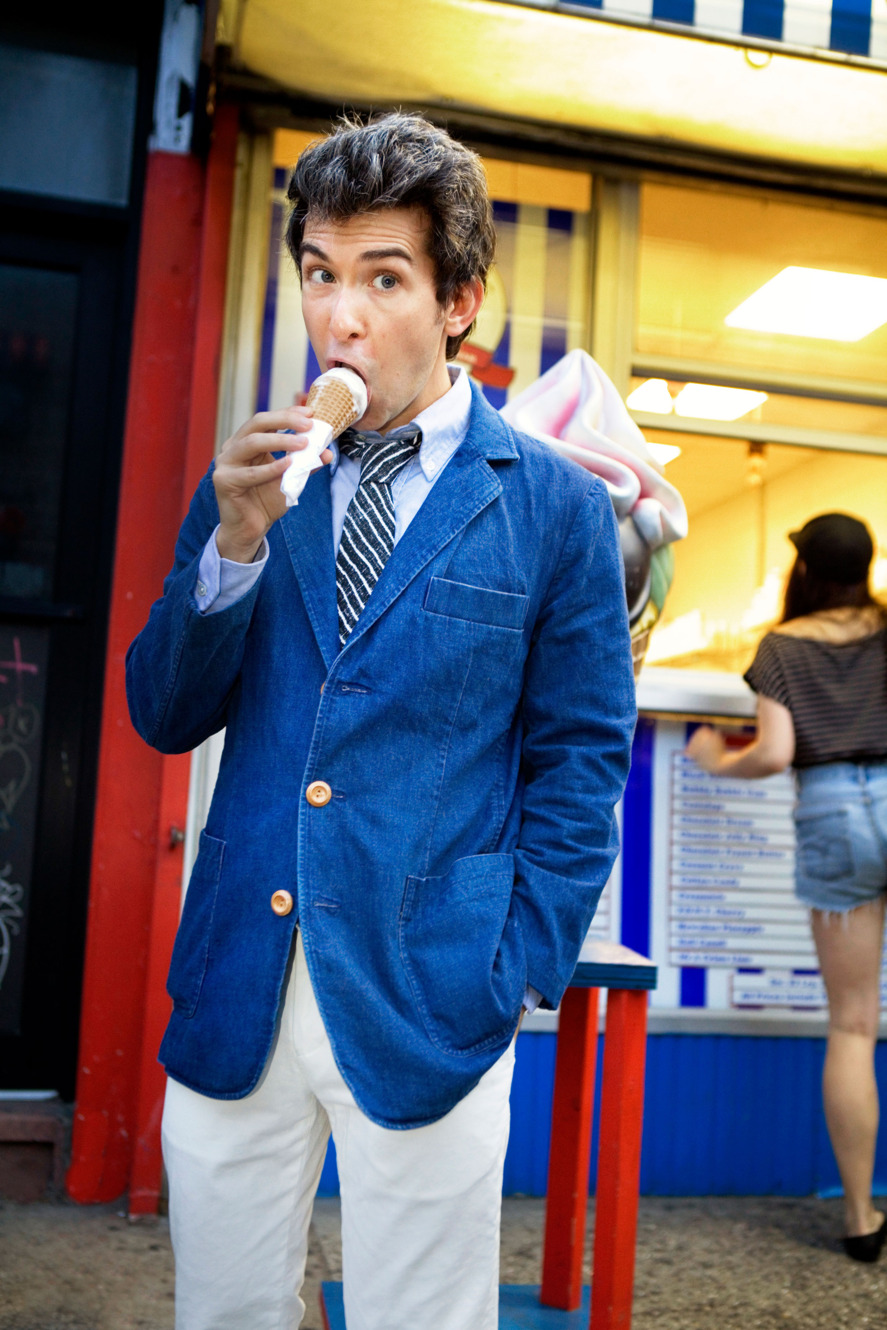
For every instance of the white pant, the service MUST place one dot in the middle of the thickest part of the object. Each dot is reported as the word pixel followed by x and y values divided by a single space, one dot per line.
pixel 420 1208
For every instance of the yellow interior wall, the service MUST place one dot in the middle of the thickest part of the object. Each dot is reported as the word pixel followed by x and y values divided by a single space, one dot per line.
pixel 717 566
pixel 846 482
pixel 289 144
pixel 547 186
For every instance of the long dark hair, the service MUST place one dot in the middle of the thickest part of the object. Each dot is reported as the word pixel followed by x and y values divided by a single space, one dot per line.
pixel 805 593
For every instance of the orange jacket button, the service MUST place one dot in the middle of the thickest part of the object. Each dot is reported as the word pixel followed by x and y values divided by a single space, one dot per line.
pixel 281 902
pixel 318 793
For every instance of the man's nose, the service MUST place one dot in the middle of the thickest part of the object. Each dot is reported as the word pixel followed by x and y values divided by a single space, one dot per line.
pixel 347 318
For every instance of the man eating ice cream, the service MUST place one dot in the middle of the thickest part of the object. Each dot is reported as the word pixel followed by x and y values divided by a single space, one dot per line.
pixel 424 675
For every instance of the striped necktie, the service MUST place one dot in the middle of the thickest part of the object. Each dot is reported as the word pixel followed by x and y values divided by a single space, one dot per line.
pixel 368 532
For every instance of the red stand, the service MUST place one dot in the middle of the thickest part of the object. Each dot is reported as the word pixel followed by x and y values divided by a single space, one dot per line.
pixel 619 1150
pixel 570 1155
pixel 619 1160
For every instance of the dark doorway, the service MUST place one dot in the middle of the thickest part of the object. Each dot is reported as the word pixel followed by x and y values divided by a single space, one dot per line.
pixel 60 372
pixel 71 180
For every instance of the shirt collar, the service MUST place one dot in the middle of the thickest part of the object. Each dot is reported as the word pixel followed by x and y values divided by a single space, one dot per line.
pixel 444 425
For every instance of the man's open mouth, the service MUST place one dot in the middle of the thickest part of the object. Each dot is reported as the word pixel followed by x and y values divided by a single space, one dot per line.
pixel 344 364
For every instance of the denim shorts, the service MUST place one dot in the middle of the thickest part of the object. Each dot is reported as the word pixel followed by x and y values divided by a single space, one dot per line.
pixel 841 834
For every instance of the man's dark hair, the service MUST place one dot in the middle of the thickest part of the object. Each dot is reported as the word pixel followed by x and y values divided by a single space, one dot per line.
pixel 401 161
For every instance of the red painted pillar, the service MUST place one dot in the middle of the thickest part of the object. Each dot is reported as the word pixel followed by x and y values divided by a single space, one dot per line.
pixel 570 1151
pixel 136 873
pixel 147 1165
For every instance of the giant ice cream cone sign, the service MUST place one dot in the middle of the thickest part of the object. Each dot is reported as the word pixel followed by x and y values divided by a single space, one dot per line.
pixel 576 409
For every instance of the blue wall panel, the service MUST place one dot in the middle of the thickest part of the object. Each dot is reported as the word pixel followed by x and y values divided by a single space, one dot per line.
pixel 329 1178
pixel 731 1116
pixel 725 1115
pixel 526 1160
pixel 637 822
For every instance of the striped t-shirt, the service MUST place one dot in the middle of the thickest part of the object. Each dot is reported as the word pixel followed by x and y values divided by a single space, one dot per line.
pixel 837 694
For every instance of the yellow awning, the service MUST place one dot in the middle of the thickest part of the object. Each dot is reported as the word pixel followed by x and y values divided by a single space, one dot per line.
pixel 535 65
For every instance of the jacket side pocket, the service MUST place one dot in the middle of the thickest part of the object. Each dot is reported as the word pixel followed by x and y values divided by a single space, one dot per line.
pixel 464 954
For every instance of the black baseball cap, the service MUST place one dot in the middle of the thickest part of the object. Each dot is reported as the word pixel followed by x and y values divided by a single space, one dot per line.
pixel 835 547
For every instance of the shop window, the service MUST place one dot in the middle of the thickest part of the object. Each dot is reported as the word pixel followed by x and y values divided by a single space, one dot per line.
pixel 537 304
pixel 759 357
pixel 742 499
pixel 37 343
pixel 703 254
pixel 753 410
pixel 72 121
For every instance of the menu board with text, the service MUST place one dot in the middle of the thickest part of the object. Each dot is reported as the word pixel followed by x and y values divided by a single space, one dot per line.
pixel 726 929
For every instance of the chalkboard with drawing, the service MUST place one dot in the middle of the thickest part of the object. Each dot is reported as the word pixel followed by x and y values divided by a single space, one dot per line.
pixel 23 656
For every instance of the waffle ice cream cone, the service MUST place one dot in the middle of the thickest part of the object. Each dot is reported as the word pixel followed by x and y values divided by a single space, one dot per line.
pixel 338 398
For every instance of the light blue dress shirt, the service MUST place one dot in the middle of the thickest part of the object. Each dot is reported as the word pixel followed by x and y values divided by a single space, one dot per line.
pixel 444 424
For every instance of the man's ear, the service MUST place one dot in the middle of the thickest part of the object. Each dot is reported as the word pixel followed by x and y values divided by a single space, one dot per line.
pixel 464 307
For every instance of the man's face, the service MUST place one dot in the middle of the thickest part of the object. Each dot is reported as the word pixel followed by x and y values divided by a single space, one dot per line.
pixel 369 302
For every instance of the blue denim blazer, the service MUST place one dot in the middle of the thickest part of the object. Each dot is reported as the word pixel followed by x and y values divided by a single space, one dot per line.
pixel 475 733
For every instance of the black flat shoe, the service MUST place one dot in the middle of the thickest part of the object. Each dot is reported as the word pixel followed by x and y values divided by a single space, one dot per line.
pixel 866 1247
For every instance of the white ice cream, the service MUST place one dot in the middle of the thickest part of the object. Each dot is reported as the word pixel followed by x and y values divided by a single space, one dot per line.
pixel 322 432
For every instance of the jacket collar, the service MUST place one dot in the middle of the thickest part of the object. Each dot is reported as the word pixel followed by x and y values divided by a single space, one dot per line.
pixel 488 434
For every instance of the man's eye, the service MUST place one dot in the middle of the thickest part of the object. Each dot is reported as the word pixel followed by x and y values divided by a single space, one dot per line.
pixel 320 276
pixel 386 281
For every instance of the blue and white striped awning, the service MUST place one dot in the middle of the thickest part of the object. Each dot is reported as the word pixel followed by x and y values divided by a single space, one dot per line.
pixel 849 27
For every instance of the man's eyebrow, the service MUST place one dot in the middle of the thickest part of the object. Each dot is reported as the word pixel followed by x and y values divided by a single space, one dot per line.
pixel 393 252
pixel 306 247
pixel 368 255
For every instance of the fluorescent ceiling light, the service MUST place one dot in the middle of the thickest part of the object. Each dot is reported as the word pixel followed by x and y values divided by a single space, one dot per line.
pixel 815 302
pixel 651 395
pixel 708 401
pixel 664 452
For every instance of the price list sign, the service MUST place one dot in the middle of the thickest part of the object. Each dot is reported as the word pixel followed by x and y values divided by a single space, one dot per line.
pixel 602 927
pixel 718 904
pixel 730 880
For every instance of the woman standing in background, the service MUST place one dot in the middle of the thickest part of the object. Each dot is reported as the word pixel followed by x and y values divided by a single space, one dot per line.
pixel 821 680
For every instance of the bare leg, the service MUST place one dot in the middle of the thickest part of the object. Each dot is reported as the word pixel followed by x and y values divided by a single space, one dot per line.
pixel 849 949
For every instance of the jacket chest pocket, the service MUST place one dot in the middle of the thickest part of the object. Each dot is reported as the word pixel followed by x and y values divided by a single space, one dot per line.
pixel 475 604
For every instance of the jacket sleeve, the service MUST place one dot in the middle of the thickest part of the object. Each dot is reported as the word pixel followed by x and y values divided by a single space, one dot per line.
pixel 579 715
pixel 182 667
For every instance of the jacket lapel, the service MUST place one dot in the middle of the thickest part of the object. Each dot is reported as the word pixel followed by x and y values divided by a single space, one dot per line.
pixel 467 484
pixel 308 531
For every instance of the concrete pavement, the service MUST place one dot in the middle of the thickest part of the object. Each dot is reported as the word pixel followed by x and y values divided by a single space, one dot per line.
pixel 731 1263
